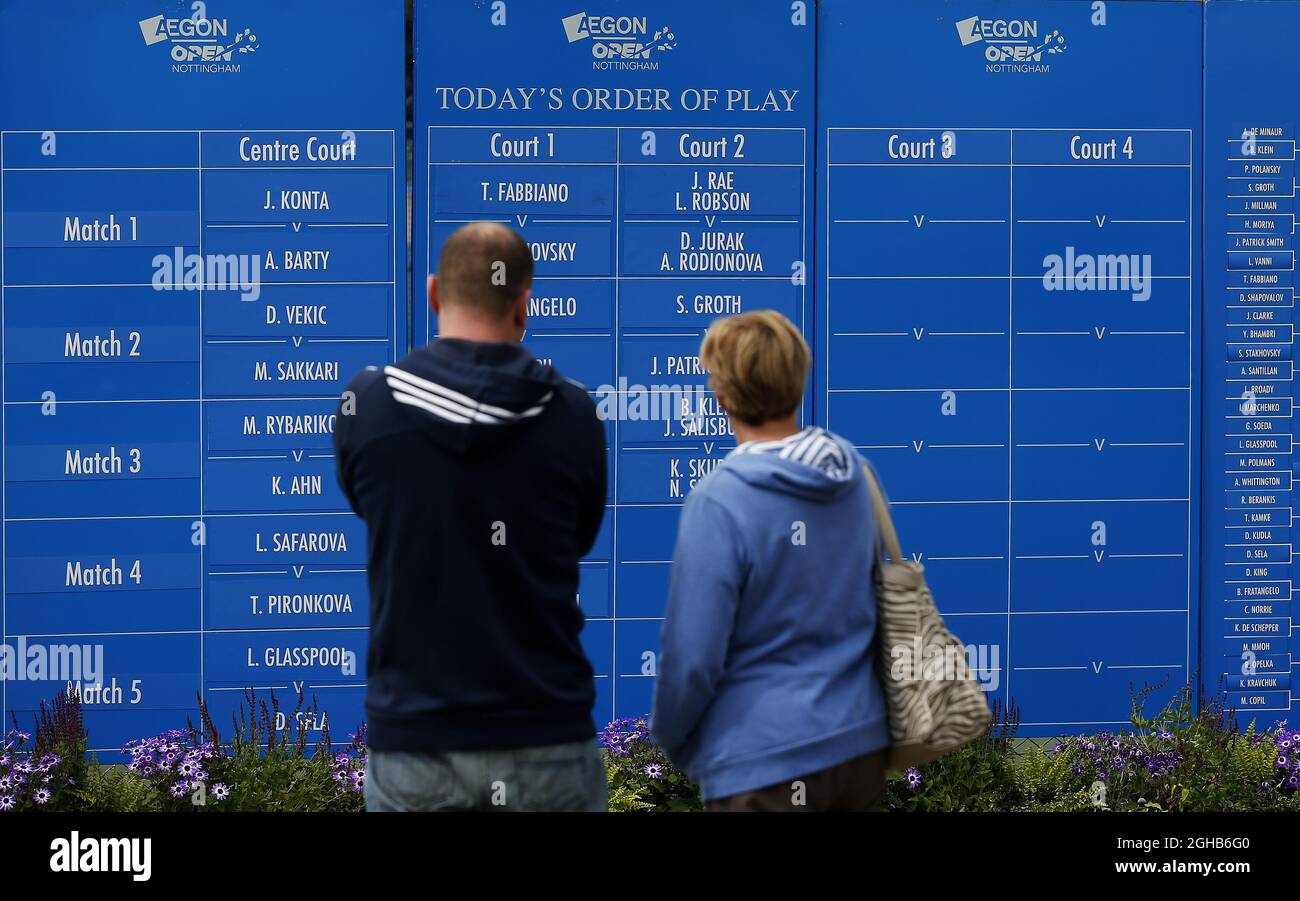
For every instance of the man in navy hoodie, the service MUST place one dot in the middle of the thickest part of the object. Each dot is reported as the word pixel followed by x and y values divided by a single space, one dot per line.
pixel 480 473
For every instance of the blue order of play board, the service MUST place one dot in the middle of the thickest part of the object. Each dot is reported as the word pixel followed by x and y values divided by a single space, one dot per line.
pixel 1039 444
pixel 168 479
pixel 902 180
pixel 681 134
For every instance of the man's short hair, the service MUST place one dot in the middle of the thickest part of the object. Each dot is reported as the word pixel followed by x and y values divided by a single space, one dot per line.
pixel 759 363
pixel 484 266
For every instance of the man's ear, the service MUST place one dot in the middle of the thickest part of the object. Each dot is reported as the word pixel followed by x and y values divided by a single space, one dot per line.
pixel 434 303
pixel 519 312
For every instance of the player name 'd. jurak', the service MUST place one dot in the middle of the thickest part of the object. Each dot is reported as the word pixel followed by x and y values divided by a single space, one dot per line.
pixel 713 251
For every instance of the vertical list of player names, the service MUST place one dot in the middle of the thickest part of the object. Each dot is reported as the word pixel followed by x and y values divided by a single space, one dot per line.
pixel 1258 465
pixel 641 238
pixel 181 312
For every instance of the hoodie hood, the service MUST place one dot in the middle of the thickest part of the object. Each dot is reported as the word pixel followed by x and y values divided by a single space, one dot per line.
pixel 470 395
pixel 813 464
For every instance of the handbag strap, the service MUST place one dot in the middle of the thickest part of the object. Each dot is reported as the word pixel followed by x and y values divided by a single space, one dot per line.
pixel 888 535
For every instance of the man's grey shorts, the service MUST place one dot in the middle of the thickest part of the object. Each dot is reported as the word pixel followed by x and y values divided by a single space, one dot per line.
pixel 554 777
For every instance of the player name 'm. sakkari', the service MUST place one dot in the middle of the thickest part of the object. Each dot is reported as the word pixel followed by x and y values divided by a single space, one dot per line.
pixel 296 371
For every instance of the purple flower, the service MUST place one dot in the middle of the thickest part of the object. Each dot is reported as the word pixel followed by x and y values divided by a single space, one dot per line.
pixel 220 791
pixel 180 789
pixel 913 777
pixel 654 771
pixel 42 796
pixel 6 802
pixel 1282 762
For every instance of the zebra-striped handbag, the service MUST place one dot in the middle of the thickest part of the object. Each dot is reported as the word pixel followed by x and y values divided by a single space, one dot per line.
pixel 935 703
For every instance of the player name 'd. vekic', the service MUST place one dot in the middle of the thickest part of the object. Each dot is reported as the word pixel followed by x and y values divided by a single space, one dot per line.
pixel 298 314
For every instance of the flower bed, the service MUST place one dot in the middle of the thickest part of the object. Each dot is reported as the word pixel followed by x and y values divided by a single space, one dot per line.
pixel 1180 759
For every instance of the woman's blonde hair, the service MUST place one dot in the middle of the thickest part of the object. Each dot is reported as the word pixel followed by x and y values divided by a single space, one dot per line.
pixel 758 362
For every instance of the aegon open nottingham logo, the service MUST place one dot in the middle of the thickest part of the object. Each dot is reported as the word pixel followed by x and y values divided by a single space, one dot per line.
pixel 1011 45
pixel 619 42
pixel 199 44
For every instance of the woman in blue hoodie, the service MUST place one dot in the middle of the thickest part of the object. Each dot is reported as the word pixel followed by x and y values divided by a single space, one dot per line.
pixel 767 694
